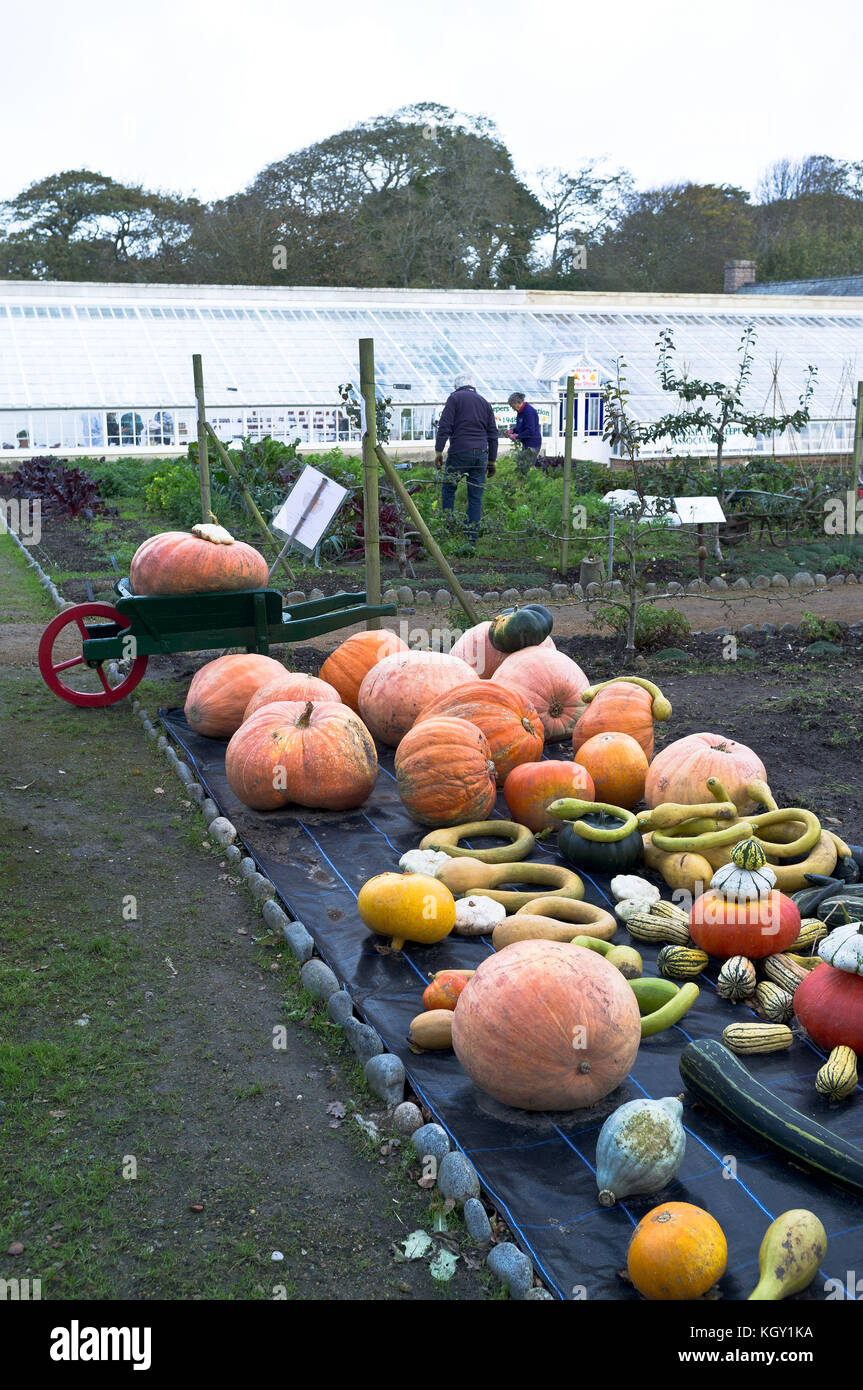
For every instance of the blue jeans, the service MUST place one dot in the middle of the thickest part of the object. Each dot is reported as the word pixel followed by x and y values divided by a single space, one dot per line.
pixel 470 464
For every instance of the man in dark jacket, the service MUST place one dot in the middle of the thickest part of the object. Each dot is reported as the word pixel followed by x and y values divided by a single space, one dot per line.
pixel 527 432
pixel 467 421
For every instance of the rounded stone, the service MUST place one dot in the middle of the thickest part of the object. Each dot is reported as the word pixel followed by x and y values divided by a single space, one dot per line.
pixel 385 1075
pixel 317 593
pixel 476 1221
pixel 247 867
pixel 674 587
pixel 539 1293
pixel 717 582
pixel 161 743
pixel 769 629
pixel 209 810
pixel 694 586
pixel 171 755
pixel 222 831
pixel 391 596
pixel 295 596
pixel 761 581
pixel 748 630
pixel 835 580
pixel 741 583
pixel 577 591
pixel 422 598
pixel 407 1119
pixel 362 1039
pixel 405 594
pixel 820 581
pixel 719 631
pixel 788 630
pixel 457 1178
pixel 491 597
pixel 560 591
pixel 233 854
pixel 272 914
pixel 431 1141
pixel 536 594
pixel 616 586
pixel 196 792
pixel 151 731
pixel 442 597
pixel 650 588
pixel 594 591
pixel 184 772
pixel 510 596
pixel 802 580
pixel 339 1007
pixel 299 941
pixel 260 887
pixel 512 1267
pixel 779 581
pixel 851 579
pixel 318 979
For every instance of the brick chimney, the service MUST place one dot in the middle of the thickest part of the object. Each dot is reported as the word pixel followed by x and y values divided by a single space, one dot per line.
pixel 738 273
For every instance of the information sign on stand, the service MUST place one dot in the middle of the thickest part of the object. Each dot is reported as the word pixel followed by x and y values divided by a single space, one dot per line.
pixel 309 509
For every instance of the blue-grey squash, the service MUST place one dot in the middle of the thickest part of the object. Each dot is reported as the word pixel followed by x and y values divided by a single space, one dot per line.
pixel 639 1149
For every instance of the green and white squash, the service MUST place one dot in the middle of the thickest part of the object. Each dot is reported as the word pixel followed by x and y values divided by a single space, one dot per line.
pixel 774 1003
pixel 640 1149
pixel 748 875
pixel 843 948
pixel 681 962
pixel 736 980
pixel 757 1037
pixel 837 1079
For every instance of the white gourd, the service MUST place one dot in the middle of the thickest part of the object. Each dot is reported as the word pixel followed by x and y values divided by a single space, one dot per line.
pixel 743 884
pixel 639 1149
pixel 843 948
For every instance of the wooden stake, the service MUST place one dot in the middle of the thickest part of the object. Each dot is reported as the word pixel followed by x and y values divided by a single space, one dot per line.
pixel 429 541
pixel 371 534
pixel 567 473
pixel 858 440
pixel 249 500
pixel 203 459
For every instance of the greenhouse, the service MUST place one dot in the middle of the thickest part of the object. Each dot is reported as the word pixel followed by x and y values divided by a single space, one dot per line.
pixel 90 368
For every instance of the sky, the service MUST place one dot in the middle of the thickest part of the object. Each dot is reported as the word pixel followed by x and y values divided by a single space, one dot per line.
pixel 196 98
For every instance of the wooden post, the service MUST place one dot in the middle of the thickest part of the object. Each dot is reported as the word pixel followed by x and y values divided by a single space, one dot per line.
pixel 567 472
pixel 203 459
pixel 249 500
pixel 428 539
pixel 858 441
pixel 371 535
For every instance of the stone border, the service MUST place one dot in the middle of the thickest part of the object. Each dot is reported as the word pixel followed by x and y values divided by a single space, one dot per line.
pixel 45 580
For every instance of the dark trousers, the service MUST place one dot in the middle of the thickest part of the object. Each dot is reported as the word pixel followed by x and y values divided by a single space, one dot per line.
pixel 470 464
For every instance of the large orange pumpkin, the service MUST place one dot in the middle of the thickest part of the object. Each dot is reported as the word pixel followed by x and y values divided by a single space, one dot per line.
pixel 552 682
pixel 508 720
pixel 292 685
pixel 677 1251
pixel 544 1025
pixel 181 562
pixel 754 928
pixel 618 767
pixel 680 772
pixel 475 648
pixel 221 690
pixel 399 687
pixel 347 667
pixel 291 752
pixel 620 708
pixel 531 787
pixel 445 774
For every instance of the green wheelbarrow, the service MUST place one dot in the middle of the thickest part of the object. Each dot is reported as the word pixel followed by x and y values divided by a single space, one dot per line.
pixel 91 636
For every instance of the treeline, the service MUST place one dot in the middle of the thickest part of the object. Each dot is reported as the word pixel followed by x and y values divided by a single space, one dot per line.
pixel 428 197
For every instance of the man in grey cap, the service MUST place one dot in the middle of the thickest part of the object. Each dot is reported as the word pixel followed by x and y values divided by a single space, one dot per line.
pixel 467 421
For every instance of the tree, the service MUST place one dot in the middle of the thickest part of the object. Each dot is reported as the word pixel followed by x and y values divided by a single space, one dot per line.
pixel 809 221
pixel 710 407
pixel 580 208
pixel 80 225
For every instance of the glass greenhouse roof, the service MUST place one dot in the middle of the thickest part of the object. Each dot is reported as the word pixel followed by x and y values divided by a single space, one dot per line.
pixel 95 346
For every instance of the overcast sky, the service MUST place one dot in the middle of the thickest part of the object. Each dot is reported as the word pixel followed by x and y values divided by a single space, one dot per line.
pixel 197 97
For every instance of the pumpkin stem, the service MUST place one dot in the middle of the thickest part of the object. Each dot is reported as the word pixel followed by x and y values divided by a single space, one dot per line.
pixel 305 717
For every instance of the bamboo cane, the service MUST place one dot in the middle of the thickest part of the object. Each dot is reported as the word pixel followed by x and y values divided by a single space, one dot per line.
pixel 203 460
pixel 246 495
pixel 371 533
pixel 567 473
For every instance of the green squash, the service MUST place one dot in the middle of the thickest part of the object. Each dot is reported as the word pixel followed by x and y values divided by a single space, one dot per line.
pixel 601 856
pixel 517 628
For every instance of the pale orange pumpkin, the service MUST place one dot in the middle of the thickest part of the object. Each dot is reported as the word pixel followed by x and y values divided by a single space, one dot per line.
pixel 295 752
pixel 680 772
pixel 531 787
pixel 618 766
pixel 552 682
pixel 179 562
pixel 544 1025
pixel 221 690
pixel 445 774
pixel 399 687
pixel 347 667
pixel 620 708
pixel 508 720
pixel 475 648
pixel 292 685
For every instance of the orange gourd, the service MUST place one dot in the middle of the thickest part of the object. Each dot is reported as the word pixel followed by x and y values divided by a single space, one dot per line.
pixel 292 685
pixel 290 752
pixel 179 562
pixel 475 648
pixel 407 907
pixel 221 690
pixel 508 720
pixel 531 787
pixel 680 772
pixel 347 667
pixel 677 1251
pixel 618 767
pixel 544 1025
pixel 444 990
pixel 445 774
pixel 552 682
pixel 398 688
pixel 620 708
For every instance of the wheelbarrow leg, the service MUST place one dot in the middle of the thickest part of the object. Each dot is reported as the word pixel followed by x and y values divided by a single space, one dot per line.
pixel 262 631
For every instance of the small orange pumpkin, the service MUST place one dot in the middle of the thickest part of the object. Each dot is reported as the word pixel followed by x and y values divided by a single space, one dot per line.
pixel 292 685
pixel 618 767
pixel 347 667
pixel 531 787
pixel 444 990
pixel 620 708
pixel 677 1251
pixel 445 774
pixel 508 720
pixel 221 690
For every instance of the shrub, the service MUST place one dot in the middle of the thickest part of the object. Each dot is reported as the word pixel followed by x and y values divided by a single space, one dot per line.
pixel 655 628
pixel 815 629
pixel 61 491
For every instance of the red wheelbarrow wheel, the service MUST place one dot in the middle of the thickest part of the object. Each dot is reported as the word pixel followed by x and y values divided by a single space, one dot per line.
pixel 53 672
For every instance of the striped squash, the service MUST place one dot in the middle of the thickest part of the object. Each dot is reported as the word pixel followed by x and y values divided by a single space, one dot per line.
pixel 663 908
pixel 748 854
pixel 837 1079
pixel 681 962
pixel 773 1003
pixel 784 972
pixel 644 926
pixel 811 932
pixel 757 1037
pixel 736 979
